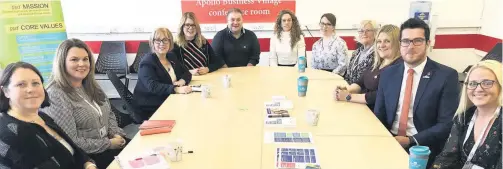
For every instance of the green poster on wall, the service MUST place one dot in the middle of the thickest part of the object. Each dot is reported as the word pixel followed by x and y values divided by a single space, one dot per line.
pixel 30 31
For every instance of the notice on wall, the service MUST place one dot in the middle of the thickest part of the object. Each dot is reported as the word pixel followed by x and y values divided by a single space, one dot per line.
pixel 254 11
pixel 31 31
pixel 420 10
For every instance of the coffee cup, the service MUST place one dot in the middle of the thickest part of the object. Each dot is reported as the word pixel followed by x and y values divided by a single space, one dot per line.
pixel 418 158
pixel 302 83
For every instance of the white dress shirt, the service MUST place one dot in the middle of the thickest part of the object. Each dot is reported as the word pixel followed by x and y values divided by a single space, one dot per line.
pixel 411 129
pixel 281 51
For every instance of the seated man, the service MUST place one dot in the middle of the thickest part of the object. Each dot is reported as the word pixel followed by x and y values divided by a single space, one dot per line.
pixel 236 45
pixel 417 99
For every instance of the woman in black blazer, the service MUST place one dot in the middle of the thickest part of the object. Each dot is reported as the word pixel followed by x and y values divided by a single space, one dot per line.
pixel 29 138
pixel 160 74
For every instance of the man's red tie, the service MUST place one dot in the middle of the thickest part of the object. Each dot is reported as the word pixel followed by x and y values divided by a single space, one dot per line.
pixel 404 116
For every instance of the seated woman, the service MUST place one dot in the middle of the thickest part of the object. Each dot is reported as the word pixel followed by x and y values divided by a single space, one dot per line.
pixel 388 53
pixel 29 138
pixel 193 50
pixel 330 51
pixel 363 57
pixel 80 107
pixel 288 43
pixel 475 139
pixel 160 75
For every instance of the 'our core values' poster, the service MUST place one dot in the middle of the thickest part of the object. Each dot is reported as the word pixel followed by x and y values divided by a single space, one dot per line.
pixel 31 31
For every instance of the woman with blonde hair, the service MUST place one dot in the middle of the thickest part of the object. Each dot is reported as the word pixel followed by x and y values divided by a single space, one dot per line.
pixel 387 53
pixel 192 49
pixel 160 75
pixel 363 57
pixel 475 139
pixel 79 105
pixel 288 43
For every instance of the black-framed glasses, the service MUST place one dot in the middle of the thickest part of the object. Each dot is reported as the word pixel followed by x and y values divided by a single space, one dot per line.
pixel 484 84
pixel 188 25
pixel 325 24
pixel 416 42
pixel 164 41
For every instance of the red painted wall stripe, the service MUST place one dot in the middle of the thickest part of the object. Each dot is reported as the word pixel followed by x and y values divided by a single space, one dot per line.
pixel 477 41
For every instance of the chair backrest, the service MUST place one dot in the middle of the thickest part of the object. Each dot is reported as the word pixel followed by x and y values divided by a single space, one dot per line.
pixel 112 57
pixel 125 95
pixel 495 53
pixel 143 49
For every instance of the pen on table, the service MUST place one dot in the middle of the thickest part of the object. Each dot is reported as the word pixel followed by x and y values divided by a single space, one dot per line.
pixel 278 115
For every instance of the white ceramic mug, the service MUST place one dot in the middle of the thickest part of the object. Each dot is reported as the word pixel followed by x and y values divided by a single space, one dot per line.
pixel 174 151
pixel 226 79
pixel 312 117
pixel 205 91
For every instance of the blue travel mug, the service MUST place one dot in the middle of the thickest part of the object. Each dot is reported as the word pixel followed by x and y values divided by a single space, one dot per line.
pixel 302 86
pixel 302 63
pixel 418 158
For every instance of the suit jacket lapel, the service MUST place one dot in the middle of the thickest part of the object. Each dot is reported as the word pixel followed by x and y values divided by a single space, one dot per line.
pixel 159 64
pixel 395 86
pixel 423 82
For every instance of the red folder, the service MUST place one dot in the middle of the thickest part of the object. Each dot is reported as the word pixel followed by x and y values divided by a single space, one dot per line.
pixel 156 126
pixel 155 131
pixel 149 124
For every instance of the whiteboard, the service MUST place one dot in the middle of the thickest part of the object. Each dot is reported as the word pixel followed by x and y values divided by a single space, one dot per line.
pixel 128 16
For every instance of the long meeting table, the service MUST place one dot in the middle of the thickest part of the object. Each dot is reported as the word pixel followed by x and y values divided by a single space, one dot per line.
pixel 226 131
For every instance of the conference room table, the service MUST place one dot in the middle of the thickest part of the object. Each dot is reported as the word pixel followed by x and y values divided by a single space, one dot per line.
pixel 226 130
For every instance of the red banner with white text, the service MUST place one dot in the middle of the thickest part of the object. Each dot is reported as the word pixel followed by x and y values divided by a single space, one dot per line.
pixel 254 11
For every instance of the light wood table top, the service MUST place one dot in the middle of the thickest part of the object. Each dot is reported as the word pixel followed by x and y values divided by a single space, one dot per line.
pixel 226 131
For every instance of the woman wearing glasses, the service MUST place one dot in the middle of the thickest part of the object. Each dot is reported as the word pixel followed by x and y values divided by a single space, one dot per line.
pixel 475 139
pixel 193 50
pixel 288 41
pixel 362 57
pixel 329 52
pixel 160 75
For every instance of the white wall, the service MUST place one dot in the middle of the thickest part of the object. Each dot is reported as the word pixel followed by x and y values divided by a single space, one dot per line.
pixel 492 19
pixel 106 16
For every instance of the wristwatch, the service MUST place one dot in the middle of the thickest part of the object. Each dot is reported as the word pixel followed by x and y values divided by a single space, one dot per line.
pixel 348 97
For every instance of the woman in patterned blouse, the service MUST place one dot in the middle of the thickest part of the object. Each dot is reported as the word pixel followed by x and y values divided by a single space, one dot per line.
pixel 329 52
pixel 475 139
pixel 362 57
pixel 80 107
pixel 29 138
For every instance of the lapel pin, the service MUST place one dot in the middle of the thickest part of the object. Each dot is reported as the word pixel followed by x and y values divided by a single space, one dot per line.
pixel 375 77
pixel 427 76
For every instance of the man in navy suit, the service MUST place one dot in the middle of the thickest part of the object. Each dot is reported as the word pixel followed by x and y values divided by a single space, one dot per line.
pixel 417 99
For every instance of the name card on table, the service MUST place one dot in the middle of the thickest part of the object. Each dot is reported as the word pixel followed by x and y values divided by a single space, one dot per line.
pixel 280 122
pixel 279 104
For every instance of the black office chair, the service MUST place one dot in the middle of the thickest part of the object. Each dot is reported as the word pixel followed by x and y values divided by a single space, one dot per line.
pixel 113 58
pixel 143 49
pixel 494 54
pixel 129 114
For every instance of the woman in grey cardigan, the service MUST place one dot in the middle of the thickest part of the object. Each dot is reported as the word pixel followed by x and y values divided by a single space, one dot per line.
pixel 80 107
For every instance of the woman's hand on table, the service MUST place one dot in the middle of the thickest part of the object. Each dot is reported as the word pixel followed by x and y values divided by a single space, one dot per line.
pixel 194 72
pixel 183 89
pixel 203 70
pixel 340 94
pixel 180 82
